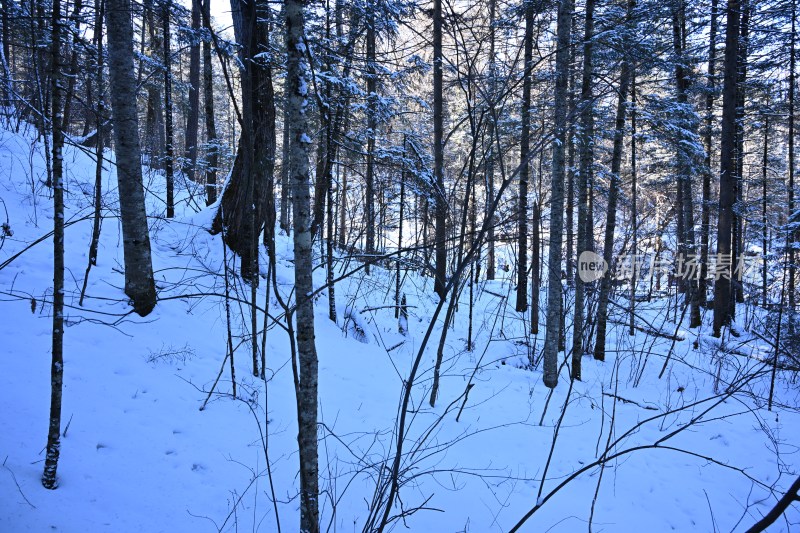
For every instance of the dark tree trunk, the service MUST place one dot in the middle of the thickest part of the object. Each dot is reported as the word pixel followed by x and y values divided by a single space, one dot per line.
pixel 212 148
pixel 554 289
pixel 722 285
pixel 247 202
pixel 586 151
pixel 685 163
pixel 49 479
pixel 613 194
pixel 438 154
pixel 372 124
pixel 705 224
pixel 790 199
pixel 192 117
pixel 536 274
pixel 524 173
pixel 169 168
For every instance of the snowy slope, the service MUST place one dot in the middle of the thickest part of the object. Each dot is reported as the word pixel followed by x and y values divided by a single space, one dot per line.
pixel 139 455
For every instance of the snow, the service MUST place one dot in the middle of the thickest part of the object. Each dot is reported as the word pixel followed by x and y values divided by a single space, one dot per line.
pixel 138 454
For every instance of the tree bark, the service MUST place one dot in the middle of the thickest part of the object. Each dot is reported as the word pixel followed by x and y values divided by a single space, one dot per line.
pixel 554 289
pixel 139 284
pixel 57 360
pixel 524 173
pixel 296 101
pixel 192 117
pixel 438 154
pixel 722 285
pixel 586 155
pixel 212 148
pixel 705 223
pixel 613 194
pixel 169 169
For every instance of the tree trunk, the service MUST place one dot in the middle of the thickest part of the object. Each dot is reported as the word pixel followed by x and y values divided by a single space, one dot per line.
pixel 684 162
pixel 247 202
pixel 613 194
pixel 372 124
pixel 139 284
pixel 212 148
pixel 192 117
pixel 722 285
pixel 438 154
pixel 490 135
pixel 586 151
pixel 536 280
pixel 634 211
pixel 154 126
pixel 57 360
pixel 791 206
pixel 524 173
pixel 554 289
pixel 296 101
pixel 169 152
pixel 705 224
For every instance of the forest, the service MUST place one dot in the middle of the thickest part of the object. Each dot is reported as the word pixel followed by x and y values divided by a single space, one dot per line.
pixel 386 265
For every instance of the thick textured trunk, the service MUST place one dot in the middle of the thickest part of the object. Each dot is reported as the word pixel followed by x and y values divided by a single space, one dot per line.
pixel 296 101
pixel 524 173
pixel 438 154
pixel 57 357
pixel 554 289
pixel 139 284
pixel 586 151
pixel 247 202
pixel 192 117
pixel 722 285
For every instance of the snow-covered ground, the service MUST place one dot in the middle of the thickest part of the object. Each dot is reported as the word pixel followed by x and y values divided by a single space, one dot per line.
pixel 696 450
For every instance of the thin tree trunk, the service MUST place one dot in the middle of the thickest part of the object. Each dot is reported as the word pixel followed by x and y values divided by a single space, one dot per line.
pixel 791 206
pixel 586 151
pixel 490 135
pixel 192 117
pixel 212 148
pixel 372 124
pixel 535 269
pixel 296 100
pixel 684 164
pixel 438 154
pixel 764 227
pixel 168 161
pixel 100 114
pixel 634 201
pixel 705 227
pixel 524 173
pixel 49 479
pixel 554 289
pixel 613 194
